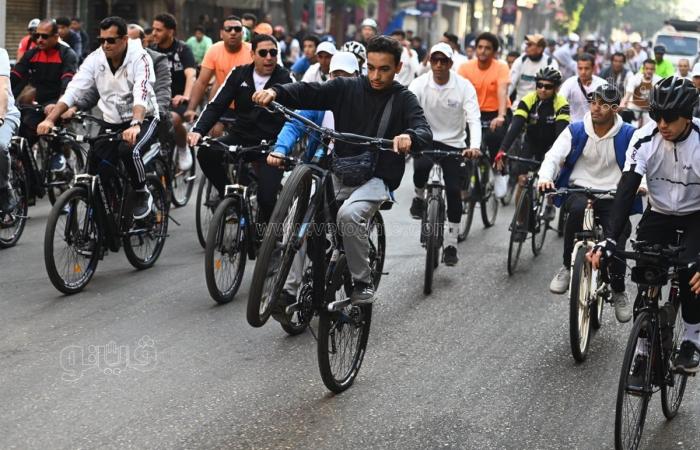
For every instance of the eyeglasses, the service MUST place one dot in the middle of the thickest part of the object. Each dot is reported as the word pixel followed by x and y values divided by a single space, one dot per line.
pixel 264 52
pixel 602 105
pixel 236 28
pixel 108 40
pixel 667 116
pixel 439 60
pixel 547 87
pixel 44 36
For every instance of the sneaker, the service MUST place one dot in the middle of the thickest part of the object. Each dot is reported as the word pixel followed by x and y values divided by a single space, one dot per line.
pixel 8 200
pixel 362 294
pixel 143 202
pixel 623 307
pixel 450 255
pixel 184 158
pixel 635 379
pixel 688 359
pixel 417 208
pixel 279 311
pixel 550 213
pixel 560 282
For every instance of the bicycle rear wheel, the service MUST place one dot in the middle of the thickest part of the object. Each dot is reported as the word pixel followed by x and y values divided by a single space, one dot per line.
pixel 182 181
pixel 633 397
pixel 224 255
pixel 540 225
pixel 276 253
pixel 146 238
pixel 342 335
pixel 518 231
pixel 674 387
pixel 377 247
pixel 72 241
pixel 206 194
pixel 468 205
pixel 432 245
pixel 579 311
pixel 489 202
pixel 12 223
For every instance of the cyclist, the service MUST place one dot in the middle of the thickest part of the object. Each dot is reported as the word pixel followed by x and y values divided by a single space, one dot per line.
pixel 616 73
pixel 252 125
pixel 448 101
pixel 591 154
pixel 664 67
pixel 368 30
pixel 27 43
pixel 309 44
pixel 69 36
pixel 637 91
pixel 576 89
pixel 667 151
pixel 544 113
pixel 360 53
pixel 123 74
pixel 9 122
pixel 357 105
pixel 183 71
pixel 526 67
pixel 319 71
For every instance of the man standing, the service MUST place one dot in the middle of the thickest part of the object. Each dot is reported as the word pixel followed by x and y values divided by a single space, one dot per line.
pixel 69 36
pixel 664 67
pixel 199 44
pixel 320 71
pixel 576 89
pixel 9 122
pixel 522 74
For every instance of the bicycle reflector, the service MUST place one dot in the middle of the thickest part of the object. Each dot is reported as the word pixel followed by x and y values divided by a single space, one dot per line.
pixel 649 275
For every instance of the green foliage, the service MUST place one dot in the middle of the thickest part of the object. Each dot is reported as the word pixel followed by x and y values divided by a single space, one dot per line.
pixel 644 16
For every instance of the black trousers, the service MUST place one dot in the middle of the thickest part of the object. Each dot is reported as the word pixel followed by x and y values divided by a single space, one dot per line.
pixel 576 205
pixel 493 139
pixel 661 229
pixel 453 172
pixel 211 160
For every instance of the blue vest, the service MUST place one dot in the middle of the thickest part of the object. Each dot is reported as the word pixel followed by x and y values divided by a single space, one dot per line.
pixel 621 142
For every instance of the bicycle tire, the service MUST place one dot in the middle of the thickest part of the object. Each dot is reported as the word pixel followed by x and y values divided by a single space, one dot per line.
pixel 224 248
pixel 179 183
pixel 9 236
pixel 377 247
pixel 671 398
pixel 295 197
pixel 515 247
pixel 489 202
pixel 599 304
pixel 84 266
pixel 203 213
pixel 541 226
pixel 432 237
pixel 152 240
pixel 332 329
pixel 579 312
pixel 630 439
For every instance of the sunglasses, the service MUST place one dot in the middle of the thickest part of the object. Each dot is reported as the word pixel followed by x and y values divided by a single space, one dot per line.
pixel 43 36
pixel 668 116
pixel 236 28
pixel 439 60
pixel 264 52
pixel 545 86
pixel 109 40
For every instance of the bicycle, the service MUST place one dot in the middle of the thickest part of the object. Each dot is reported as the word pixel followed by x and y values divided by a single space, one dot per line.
pixel 653 342
pixel 528 218
pixel 179 183
pixel 477 188
pixel 12 222
pixel 305 216
pixel 589 289
pixel 94 216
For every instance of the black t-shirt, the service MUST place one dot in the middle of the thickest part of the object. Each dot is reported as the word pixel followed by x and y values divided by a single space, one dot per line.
pixel 180 57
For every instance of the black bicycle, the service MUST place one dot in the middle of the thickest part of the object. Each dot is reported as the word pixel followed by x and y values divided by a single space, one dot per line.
pixel 95 216
pixel 304 219
pixel 179 182
pixel 528 218
pixel 12 222
pixel 653 343
pixel 478 188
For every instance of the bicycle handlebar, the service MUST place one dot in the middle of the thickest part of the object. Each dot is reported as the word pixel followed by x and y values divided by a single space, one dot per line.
pixel 588 192
pixel 532 162
pixel 437 152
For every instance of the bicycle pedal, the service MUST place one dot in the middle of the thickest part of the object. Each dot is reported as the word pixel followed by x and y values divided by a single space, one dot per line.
pixel 338 305
pixel 291 309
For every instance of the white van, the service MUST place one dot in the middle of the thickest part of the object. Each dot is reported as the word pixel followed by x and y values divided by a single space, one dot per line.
pixel 679 44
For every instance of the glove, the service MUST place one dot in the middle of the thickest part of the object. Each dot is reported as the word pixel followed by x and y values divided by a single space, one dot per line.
pixel 606 247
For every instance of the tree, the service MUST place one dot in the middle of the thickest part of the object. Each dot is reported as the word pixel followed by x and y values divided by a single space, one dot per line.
pixel 645 16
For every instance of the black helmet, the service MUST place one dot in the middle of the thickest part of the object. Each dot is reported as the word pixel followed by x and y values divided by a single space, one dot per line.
pixel 661 48
pixel 674 94
pixel 549 73
pixel 608 93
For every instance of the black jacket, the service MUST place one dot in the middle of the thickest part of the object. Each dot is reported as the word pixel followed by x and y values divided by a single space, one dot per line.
pixel 253 123
pixel 357 108
pixel 49 71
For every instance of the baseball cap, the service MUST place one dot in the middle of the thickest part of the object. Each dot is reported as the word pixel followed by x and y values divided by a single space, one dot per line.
pixel 327 47
pixel 263 28
pixel 345 61
pixel 369 23
pixel 33 24
pixel 696 70
pixel 537 39
pixel 443 48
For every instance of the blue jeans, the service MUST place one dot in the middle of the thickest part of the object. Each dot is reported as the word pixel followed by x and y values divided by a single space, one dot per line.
pixel 7 130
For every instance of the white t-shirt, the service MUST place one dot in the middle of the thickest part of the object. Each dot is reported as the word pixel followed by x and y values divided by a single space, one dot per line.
pixel 634 87
pixel 314 74
pixel 522 75
pixel 410 67
pixel 578 102
pixel 260 81
pixel 12 111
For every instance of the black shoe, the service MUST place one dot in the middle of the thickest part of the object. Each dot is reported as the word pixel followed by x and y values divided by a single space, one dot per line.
pixel 450 256
pixel 362 294
pixel 417 208
pixel 8 200
pixel 279 311
pixel 635 379
pixel 519 235
pixel 143 202
pixel 688 359
pixel 550 212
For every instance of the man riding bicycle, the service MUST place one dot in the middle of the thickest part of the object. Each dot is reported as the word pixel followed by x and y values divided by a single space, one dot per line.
pixel 357 105
pixel 448 101
pixel 123 74
pixel 9 122
pixel 667 151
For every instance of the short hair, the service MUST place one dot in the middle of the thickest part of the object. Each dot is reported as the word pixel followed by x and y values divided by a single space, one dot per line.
pixel 586 57
pixel 114 21
pixel 385 44
pixel 148 30
pixel 250 16
pixel 196 29
pixel 619 54
pixel 451 37
pixel 313 38
pixel 417 38
pixel 54 25
pixel 260 38
pixel 168 20
pixel 76 19
pixel 648 61
pixel 490 37
pixel 399 33
pixel 513 53
pixel 230 18
pixel 62 21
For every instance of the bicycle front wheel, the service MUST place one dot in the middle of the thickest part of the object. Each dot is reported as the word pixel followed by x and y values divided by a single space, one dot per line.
pixel 489 202
pixel 579 311
pixel 518 231
pixel 674 386
pixel 342 335
pixel 432 245
pixel 377 247
pixel 145 240
pixel 634 389
pixel 182 181
pixel 204 210
pixel 540 226
pixel 12 223
pixel 224 255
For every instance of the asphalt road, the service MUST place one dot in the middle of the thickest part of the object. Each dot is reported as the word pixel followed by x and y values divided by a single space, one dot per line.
pixel 147 360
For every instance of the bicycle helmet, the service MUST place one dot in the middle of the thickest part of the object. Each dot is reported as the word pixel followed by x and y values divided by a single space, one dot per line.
pixel 674 94
pixel 356 48
pixel 608 93
pixel 549 73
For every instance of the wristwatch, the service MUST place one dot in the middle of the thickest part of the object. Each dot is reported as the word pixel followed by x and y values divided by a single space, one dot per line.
pixel 135 122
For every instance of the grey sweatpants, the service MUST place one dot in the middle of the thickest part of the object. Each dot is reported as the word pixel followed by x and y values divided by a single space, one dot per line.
pixel 7 130
pixel 360 204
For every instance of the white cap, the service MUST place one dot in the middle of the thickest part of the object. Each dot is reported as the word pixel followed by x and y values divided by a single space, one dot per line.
pixel 591 38
pixel 33 23
pixel 443 48
pixel 345 61
pixel 696 70
pixel 327 47
pixel 369 23
pixel 573 37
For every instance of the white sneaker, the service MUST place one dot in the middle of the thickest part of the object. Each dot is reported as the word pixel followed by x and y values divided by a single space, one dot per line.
pixel 560 282
pixel 623 307
pixel 184 158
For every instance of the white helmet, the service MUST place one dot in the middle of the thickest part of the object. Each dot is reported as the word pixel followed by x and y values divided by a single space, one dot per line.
pixel 33 24
pixel 573 37
pixel 355 47
pixel 369 23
